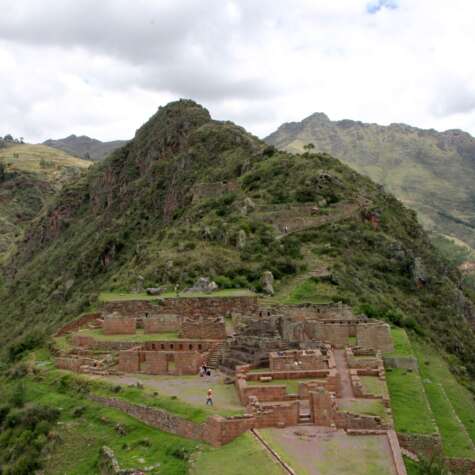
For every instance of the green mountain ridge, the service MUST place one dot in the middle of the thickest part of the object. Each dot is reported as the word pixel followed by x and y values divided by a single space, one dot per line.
pixel 431 172
pixel 190 196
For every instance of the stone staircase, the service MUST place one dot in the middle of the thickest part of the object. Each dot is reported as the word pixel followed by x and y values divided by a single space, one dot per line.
pixel 216 354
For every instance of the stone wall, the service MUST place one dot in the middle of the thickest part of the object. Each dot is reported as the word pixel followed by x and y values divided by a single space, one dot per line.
pixel 309 311
pixel 425 444
pixel 297 360
pixel 78 323
pixel 185 306
pixel 161 324
pixel 404 362
pixel 82 341
pixel 216 430
pixel 461 466
pixel 115 325
pixel 203 328
pixel 137 360
pixel 375 335
pixel 277 415
pixel 72 363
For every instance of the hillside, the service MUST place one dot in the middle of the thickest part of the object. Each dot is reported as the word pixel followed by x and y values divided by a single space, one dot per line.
pixel 85 147
pixel 431 172
pixel 30 176
pixel 191 197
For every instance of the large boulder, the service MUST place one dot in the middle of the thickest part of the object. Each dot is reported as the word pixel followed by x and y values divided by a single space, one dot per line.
pixel 203 284
pixel 267 282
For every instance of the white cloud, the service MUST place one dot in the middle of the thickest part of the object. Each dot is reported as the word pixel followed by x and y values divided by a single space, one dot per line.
pixel 102 68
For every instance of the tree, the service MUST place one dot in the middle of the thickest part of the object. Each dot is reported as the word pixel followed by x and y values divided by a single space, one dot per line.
pixel 308 147
pixel 3 172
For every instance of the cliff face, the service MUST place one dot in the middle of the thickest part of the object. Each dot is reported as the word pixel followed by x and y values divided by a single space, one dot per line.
pixel 431 172
pixel 191 197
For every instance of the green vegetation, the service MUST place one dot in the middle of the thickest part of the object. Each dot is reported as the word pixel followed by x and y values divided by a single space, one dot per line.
pixel 374 385
pixel 402 344
pixel 310 291
pixel 139 336
pixel 243 455
pixel 433 179
pixel 411 411
pixel 369 407
pixel 452 404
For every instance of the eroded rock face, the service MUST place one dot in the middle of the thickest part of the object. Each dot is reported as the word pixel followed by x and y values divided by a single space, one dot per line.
pixel 267 282
pixel 419 273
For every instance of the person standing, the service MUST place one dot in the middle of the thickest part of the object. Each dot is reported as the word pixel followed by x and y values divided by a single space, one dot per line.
pixel 209 399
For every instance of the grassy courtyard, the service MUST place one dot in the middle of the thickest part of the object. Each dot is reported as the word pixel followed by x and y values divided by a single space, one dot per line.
pixel 368 407
pixel 140 336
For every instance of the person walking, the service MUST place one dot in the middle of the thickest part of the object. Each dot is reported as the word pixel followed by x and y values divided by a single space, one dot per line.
pixel 209 399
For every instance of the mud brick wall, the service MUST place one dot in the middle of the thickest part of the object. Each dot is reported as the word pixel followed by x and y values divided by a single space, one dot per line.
pixel 179 345
pixel 322 407
pixel 185 307
pixel 426 445
pixel 216 430
pixel 314 311
pixel 291 361
pixel 119 326
pixel 465 466
pixel 71 363
pixel 154 362
pixel 161 324
pixel 203 328
pixel 210 306
pixel 129 361
pixel 133 308
pixel 375 335
pixel 278 415
pixel 78 323
pixel 82 340
pixel 188 362
pixel 220 430
pixel 265 393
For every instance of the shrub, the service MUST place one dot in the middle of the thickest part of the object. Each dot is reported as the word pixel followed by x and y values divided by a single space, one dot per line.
pixel 17 396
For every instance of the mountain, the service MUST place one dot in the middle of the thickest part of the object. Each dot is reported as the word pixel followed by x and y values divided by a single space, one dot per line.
pixel 84 147
pixel 431 172
pixel 190 196
pixel 30 177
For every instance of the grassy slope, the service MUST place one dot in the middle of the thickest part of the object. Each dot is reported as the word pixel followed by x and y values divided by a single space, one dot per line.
pixel 429 171
pixel 34 174
pixel 432 399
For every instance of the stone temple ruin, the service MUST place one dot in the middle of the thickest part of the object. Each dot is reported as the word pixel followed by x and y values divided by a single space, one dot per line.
pixel 291 364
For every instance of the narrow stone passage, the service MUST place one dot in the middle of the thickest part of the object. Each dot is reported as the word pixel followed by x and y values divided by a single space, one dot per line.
pixel 342 367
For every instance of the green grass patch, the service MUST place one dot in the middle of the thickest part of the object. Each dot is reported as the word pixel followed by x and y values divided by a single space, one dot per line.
pixel 448 399
pixel 244 455
pixel 310 291
pixel 83 436
pixel 411 410
pixel 402 344
pixel 374 385
pixel 369 407
pixel 139 336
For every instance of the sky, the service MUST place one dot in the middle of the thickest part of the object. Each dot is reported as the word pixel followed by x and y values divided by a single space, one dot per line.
pixel 102 68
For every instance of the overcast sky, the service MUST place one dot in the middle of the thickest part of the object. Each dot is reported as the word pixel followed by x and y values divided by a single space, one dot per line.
pixel 102 67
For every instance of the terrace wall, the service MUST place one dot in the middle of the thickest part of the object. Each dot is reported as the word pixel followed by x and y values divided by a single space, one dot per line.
pixel 78 323
pixel 119 326
pixel 161 324
pixel 216 430
pixel 377 336
pixel 186 306
pixel 278 415
pixel 203 328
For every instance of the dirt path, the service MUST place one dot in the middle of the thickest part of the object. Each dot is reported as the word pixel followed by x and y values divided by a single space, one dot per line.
pixel 343 370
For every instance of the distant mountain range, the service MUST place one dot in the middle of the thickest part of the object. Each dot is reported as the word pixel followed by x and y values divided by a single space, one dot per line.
pixel 431 172
pixel 85 147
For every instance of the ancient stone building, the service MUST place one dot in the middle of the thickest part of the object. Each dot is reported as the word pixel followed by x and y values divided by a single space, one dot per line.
pixel 118 324
pixel 293 360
